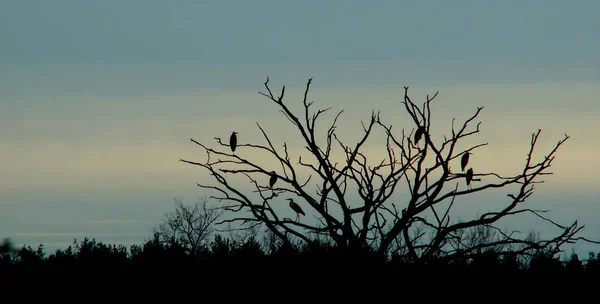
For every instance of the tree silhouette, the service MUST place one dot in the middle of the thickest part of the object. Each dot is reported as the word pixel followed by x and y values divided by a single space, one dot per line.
pixel 225 255
pixel 422 230
pixel 188 225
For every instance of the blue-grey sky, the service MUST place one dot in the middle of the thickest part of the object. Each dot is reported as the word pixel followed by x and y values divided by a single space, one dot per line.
pixel 98 99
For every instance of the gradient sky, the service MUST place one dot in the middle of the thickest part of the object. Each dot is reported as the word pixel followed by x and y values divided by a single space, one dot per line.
pixel 98 99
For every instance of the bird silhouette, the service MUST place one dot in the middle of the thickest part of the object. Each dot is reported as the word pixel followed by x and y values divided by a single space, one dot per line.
pixel 273 179
pixel 419 133
pixel 296 208
pixel 464 160
pixel 469 176
pixel 233 141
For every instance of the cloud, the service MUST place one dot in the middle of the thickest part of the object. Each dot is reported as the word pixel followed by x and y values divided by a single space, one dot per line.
pixel 78 234
pixel 109 222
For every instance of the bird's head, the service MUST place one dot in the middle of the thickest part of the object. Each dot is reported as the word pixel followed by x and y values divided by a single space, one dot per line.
pixel 290 199
pixel 234 132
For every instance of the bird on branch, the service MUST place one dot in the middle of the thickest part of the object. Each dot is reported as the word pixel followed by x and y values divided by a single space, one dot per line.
pixel 419 133
pixel 464 160
pixel 469 177
pixel 233 141
pixel 273 179
pixel 296 208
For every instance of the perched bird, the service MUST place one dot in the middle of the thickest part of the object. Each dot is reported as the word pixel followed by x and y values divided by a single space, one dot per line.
pixel 273 179
pixel 233 141
pixel 419 133
pixel 469 176
pixel 296 208
pixel 464 160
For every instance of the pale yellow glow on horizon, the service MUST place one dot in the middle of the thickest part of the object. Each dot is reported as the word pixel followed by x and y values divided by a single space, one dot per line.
pixel 143 153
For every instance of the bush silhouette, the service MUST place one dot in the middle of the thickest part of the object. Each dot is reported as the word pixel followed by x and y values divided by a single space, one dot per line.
pixel 91 257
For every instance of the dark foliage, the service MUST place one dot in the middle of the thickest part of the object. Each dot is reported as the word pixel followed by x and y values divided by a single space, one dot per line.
pixel 252 256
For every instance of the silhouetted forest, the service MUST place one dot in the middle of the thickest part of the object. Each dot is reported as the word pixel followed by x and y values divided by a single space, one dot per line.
pixel 153 255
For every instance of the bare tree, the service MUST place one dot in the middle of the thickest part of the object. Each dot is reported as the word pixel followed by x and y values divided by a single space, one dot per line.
pixel 423 229
pixel 189 225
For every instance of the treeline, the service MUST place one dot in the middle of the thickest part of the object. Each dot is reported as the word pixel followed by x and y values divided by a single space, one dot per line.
pixel 90 256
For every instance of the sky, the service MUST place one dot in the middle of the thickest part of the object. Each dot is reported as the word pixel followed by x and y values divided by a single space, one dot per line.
pixel 98 99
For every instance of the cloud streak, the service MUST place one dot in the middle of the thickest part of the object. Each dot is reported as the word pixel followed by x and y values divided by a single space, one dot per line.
pixel 78 234
pixel 111 222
